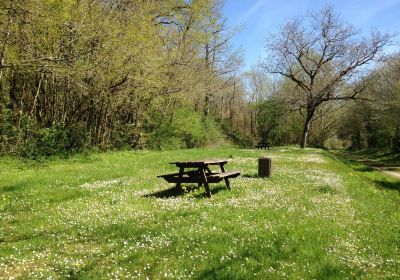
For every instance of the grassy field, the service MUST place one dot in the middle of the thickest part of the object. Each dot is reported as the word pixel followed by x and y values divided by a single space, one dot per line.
pixel 102 216
pixel 384 157
pixel 372 161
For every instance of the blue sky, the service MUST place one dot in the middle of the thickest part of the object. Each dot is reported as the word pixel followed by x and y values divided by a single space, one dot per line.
pixel 259 18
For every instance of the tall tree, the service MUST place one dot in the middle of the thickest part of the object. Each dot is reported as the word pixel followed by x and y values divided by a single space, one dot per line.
pixel 320 54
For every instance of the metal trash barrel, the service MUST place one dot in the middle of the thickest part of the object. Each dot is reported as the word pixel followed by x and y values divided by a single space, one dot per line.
pixel 264 167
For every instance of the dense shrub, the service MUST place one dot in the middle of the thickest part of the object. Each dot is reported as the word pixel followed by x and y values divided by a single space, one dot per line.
pixel 336 143
pixel 53 140
pixel 9 136
pixel 186 129
pixel 236 137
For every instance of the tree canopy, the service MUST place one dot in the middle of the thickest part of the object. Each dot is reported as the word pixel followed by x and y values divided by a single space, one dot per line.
pixel 78 75
pixel 321 54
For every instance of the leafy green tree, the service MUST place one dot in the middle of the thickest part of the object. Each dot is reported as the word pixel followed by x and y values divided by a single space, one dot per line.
pixel 96 70
pixel 375 123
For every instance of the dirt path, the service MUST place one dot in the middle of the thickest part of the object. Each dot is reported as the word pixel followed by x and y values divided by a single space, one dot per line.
pixel 391 170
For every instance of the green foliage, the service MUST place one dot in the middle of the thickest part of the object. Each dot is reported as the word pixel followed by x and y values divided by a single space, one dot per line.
pixel 212 131
pixel 127 136
pixel 269 115
pixel 334 143
pixel 236 137
pixel 8 132
pixel 56 139
pixel 290 131
pixel 374 124
pixel 186 129
pixel 86 74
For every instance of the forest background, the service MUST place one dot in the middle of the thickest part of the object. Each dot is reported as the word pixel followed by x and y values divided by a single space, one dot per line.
pixel 84 75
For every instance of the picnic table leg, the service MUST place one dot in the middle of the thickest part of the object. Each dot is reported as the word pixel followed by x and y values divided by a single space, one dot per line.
pixel 179 184
pixel 226 179
pixel 200 176
pixel 204 179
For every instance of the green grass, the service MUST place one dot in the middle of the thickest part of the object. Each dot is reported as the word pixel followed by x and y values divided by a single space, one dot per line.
pixel 91 217
pixel 384 157
pixel 373 164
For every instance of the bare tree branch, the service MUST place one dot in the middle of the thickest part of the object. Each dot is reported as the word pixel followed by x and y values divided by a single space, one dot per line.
pixel 320 53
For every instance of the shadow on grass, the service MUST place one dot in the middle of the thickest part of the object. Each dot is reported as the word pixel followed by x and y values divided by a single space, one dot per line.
pixel 253 176
pixel 214 190
pixel 372 157
pixel 168 193
pixel 363 169
pixel 10 188
pixel 395 168
pixel 388 185
pixel 13 188
pixel 173 192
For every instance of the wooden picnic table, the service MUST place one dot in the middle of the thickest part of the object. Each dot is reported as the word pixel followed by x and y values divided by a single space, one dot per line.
pixel 263 145
pixel 200 173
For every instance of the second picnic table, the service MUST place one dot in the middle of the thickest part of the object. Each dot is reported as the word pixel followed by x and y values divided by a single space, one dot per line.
pixel 200 173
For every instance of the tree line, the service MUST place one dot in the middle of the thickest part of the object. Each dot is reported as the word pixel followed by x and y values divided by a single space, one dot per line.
pixel 337 88
pixel 112 74
pixel 370 121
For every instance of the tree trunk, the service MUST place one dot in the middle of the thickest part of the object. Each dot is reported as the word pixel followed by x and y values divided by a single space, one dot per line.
pixel 232 104
pixel 251 122
pixel 396 140
pixel 206 106
pixel 3 49
pixel 306 130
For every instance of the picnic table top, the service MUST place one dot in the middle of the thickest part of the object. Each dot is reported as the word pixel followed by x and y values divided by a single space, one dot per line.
pixel 200 162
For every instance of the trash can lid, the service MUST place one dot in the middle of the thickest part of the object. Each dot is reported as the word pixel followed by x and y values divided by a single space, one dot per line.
pixel 264 157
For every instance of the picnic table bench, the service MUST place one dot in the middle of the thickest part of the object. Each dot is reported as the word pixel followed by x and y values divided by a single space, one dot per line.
pixel 200 173
pixel 263 145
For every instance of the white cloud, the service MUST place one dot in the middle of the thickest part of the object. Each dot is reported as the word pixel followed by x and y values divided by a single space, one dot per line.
pixel 250 12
